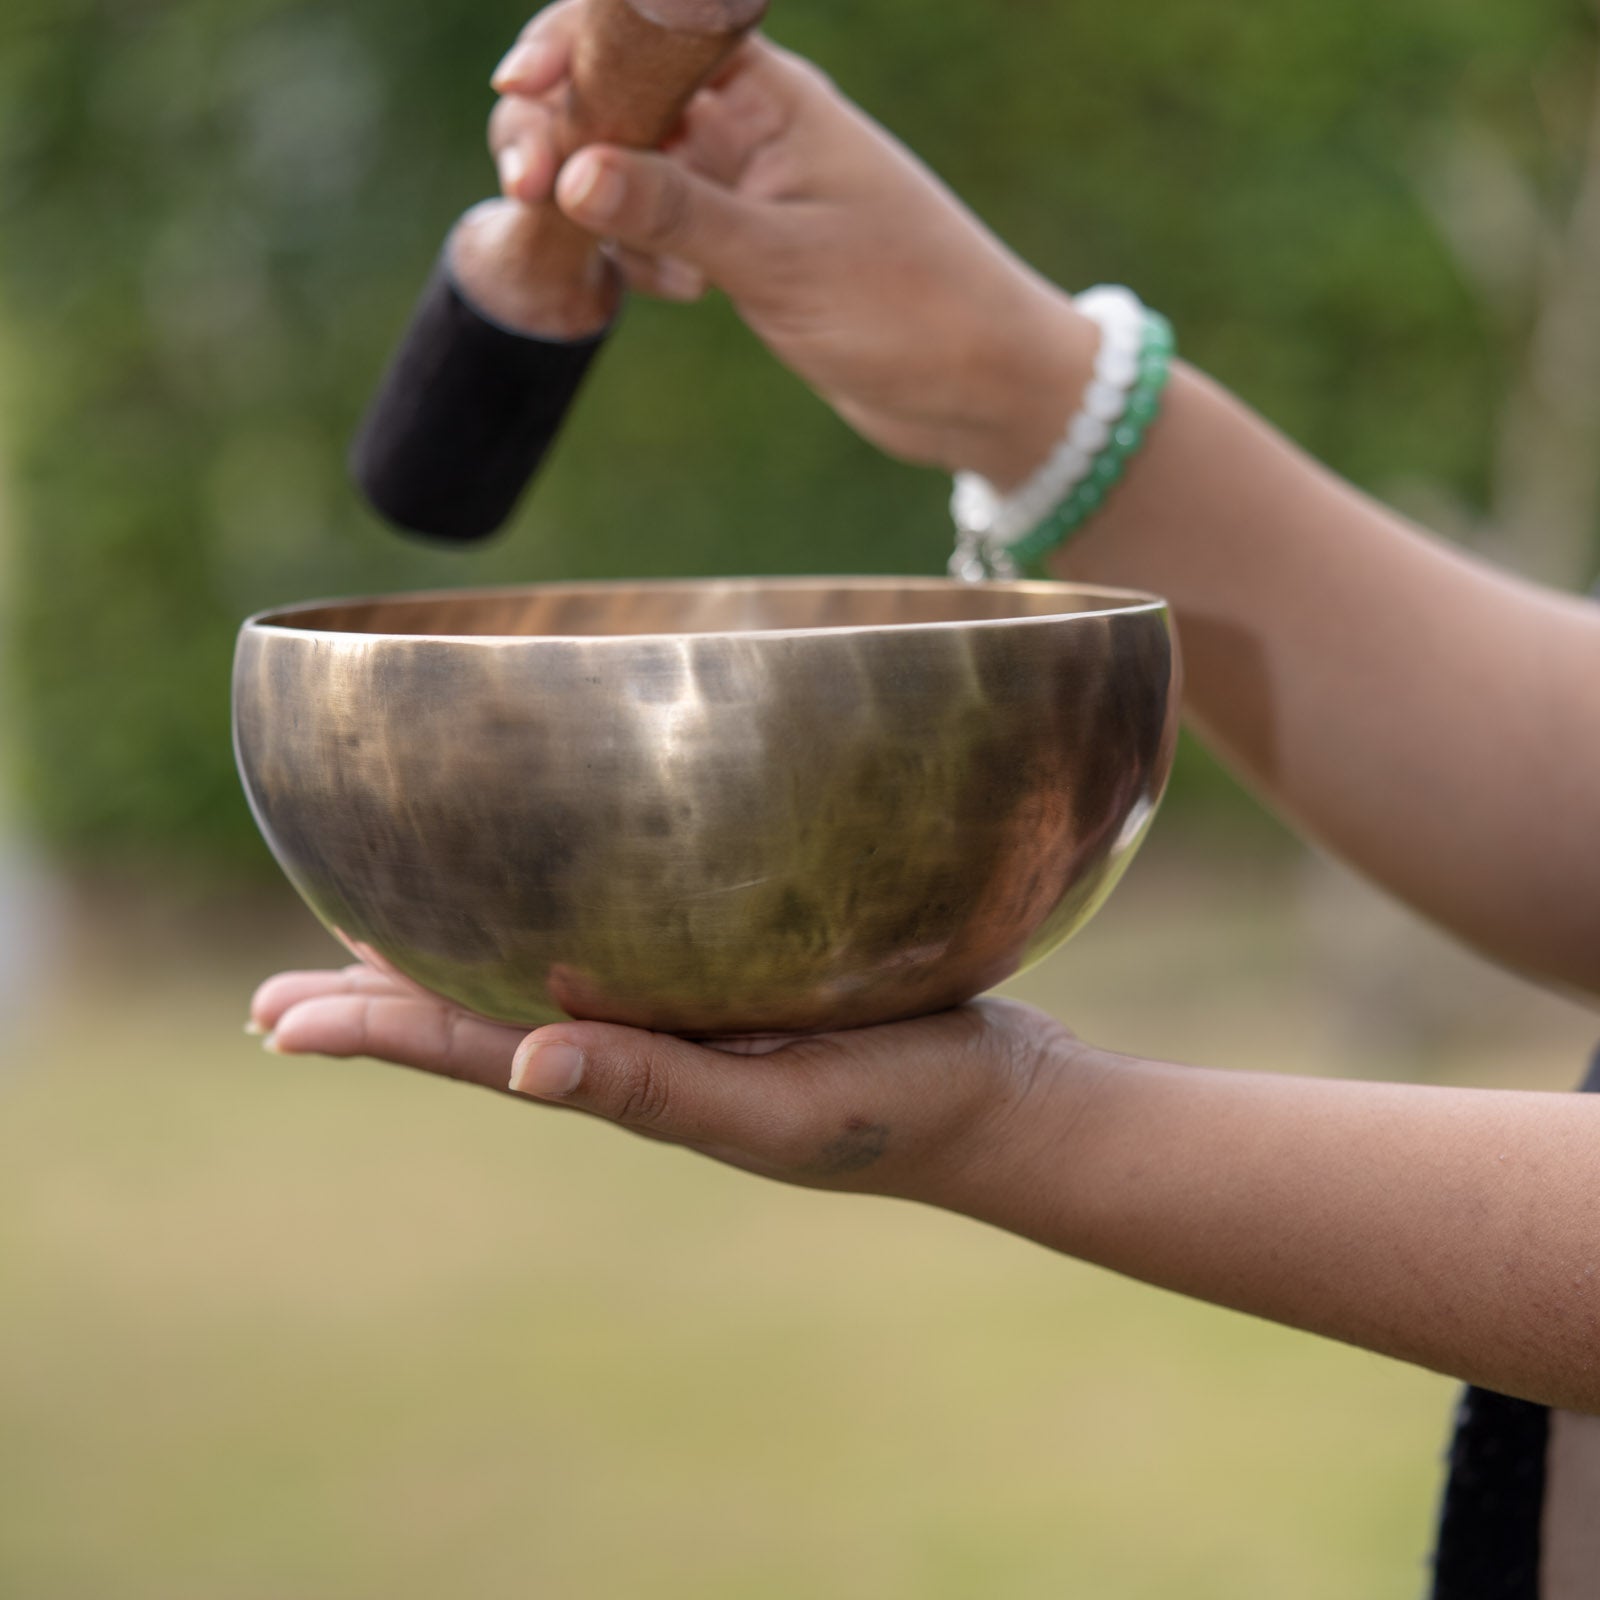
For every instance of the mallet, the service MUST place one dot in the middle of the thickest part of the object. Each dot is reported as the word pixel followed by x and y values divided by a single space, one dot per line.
pixel 523 299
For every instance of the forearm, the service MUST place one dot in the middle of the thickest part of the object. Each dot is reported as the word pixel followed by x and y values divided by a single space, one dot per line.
pixel 1457 1229
pixel 1433 721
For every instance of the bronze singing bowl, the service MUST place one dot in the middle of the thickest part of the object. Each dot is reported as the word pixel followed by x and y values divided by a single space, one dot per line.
pixel 709 808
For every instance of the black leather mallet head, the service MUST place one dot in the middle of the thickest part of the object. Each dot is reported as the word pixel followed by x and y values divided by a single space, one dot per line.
pixel 522 299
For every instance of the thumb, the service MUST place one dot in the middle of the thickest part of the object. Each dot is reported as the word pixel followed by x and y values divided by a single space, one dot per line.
pixel 896 1109
pixel 655 1083
pixel 650 203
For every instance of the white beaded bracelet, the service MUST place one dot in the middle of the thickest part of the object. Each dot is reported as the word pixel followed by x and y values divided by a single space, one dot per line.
pixel 987 521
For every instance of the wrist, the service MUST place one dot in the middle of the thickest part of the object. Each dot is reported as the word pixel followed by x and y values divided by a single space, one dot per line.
pixel 1011 1164
pixel 1033 367
pixel 1009 533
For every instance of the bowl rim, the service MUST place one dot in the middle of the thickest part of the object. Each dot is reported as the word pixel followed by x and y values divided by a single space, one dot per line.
pixel 275 620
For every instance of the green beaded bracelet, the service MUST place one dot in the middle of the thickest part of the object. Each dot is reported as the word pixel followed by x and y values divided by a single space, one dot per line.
pixel 998 535
pixel 1157 349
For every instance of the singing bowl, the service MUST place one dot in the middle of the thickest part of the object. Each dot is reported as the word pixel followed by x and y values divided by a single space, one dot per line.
pixel 708 808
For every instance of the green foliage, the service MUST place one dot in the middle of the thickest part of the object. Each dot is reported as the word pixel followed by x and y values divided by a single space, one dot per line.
pixel 216 214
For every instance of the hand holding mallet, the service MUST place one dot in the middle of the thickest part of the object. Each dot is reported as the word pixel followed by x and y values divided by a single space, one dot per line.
pixel 524 298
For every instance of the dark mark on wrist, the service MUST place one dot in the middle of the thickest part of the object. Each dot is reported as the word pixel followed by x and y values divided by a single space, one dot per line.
pixel 861 1144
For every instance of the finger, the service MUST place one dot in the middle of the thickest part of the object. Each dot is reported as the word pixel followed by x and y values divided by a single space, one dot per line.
pixel 775 73
pixel 668 1088
pixel 665 277
pixel 542 54
pixel 829 1111
pixel 277 994
pixel 885 1108
pixel 522 142
pixel 725 128
pixel 652 205
pixel 425 1034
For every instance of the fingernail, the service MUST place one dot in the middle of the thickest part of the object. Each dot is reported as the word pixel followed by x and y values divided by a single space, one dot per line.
pixel 254 1028
pixel 513 168
pixel 589 186
pixel 272 1047
pixel 528 58
pixel 548 1071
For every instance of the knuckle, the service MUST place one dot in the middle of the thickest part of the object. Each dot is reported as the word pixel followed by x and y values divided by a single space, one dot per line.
pixel 502 123
pixel 811 76
pixel 516 121
pixel 558 11
pixel 823 83
pixel 671 216
pixel 548 21
pixel 643 1095
pixel 536 24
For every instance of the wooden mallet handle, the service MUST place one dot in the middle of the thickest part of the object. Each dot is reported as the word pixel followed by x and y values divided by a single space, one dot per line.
pixel 635 66
pixel 505 332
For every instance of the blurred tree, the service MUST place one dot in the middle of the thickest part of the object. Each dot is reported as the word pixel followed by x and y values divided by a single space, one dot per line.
pixel 1530 250
pixel 216 213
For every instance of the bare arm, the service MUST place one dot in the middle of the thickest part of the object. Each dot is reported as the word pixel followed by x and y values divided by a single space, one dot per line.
pixel 1432 720
pixel 1455 1228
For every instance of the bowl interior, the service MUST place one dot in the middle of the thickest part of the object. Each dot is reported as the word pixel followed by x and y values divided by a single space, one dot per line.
pixel 700 607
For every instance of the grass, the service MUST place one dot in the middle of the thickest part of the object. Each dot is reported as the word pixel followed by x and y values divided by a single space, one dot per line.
pixel 326 1330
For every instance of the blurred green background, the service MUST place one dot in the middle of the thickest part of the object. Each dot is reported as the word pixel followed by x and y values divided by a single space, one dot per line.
pixel 217 216
pixel 326 1331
